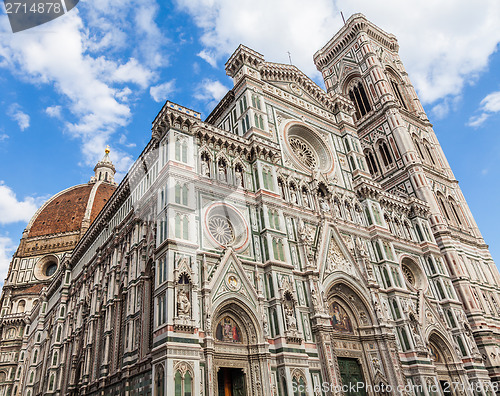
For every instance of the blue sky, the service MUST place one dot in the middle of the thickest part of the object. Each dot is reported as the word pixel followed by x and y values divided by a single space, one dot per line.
pixel 99 75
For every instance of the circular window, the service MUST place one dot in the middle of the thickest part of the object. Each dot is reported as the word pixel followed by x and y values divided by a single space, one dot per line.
pixel 221 229
pixel 226 226
pixel 308 149
pixel 408 275
pixel 46 267
pixel 304 152
pixel 413 274
pixel 50 269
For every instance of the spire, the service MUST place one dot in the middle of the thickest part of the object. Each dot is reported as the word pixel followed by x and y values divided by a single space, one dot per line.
pixel 104 169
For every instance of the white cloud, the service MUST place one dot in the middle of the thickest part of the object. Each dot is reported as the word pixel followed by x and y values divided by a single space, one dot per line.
pixel 12 210
pixel 23 120
pixel 444 45
pixel 210 90
pixel 491 102
pixel 123 140
pixel 54 111
pixel 90 56
pixel 476 121
pixel 489 105
pixel 160 92
pixel 3 137
pixel 209 57
pixel 7 249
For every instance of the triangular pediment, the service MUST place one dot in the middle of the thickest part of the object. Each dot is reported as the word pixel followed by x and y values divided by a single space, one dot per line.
pixel 295 83
pixel 297 92
pixel 230 278
pixel 346 67
pixel 334 256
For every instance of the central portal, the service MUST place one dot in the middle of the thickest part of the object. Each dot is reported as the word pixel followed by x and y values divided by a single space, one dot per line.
pixel 352 377
pixel 231 382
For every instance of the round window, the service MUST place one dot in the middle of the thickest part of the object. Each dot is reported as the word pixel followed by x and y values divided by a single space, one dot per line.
pixel 304 152
pixel 46 267
pixel 221 229
pixel 50 269
pixel 308 149
pixel 226 226
pixel 408 274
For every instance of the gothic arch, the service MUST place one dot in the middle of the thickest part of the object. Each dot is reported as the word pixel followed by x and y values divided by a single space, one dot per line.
pixel 235 306
pixel 443 204
pixel 448 358
pixel 346 291
pixel 456 212
pixel 354 89
pixel 237 332
pixel 397 86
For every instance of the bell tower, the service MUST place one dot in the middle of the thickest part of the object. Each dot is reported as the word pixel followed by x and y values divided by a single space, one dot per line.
pixel 403 154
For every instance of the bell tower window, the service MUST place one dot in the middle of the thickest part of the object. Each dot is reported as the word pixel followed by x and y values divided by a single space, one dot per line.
pixel 395 88
pixel 358 96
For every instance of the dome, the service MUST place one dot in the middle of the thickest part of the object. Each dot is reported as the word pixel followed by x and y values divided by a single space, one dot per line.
pixel 61 221
pixel 71 210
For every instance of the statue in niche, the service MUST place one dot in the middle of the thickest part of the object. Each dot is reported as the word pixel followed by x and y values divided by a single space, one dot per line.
pixel 305 198
pixel 414 325
pixel 315 300
pixel 265 325
pixel 183 304
pixel 205 165
pixel 222 171
pixel 336 208
pixel 359 214
pixel 291 321
pixel 324 205
pixel 348 212
pixel 293 196
pixel 239 176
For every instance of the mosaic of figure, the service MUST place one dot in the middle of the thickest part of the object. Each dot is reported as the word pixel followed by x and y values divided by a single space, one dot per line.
pixel 228 331
pixel 340 319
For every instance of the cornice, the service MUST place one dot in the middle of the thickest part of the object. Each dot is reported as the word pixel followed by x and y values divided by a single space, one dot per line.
pixel 345 36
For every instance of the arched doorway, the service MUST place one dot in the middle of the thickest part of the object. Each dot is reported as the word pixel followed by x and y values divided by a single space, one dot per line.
pixel 360 362
pixel 447 365
pixel 238 363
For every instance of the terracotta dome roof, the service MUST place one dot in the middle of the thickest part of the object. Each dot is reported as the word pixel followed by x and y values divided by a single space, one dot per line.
pixel 69 210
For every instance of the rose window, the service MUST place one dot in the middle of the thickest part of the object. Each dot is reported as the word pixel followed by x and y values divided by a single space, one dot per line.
pixel 303 152
pixel 308 150
pixel 408 275
pixel 221 229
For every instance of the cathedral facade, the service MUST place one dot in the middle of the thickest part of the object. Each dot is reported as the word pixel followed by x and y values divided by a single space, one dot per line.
pixel 296 242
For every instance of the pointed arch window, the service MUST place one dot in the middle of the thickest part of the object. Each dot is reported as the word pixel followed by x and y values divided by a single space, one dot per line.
pixel 183 384
pixel 181 226
pixel 443 208
pixel 180 149
pixel 181 194
pixel 159 381
pixel 358 96
pixel 455 212
pixel 395 87
pixel 372 164
pixel 385 153
pixel 419 149
pixel 429 153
